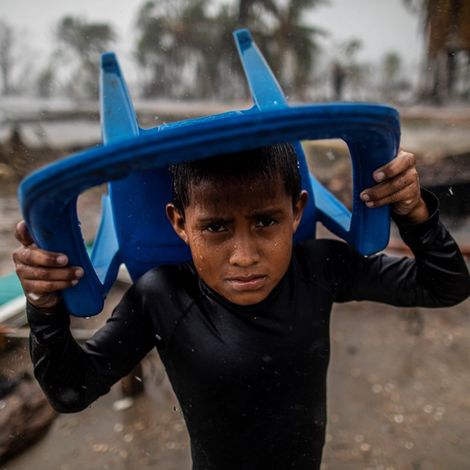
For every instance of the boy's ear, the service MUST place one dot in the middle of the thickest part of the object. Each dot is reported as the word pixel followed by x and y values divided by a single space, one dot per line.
pixel 299 207
pixel 177 221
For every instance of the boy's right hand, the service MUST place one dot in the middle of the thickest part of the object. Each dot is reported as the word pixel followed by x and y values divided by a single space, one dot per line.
pixel 42 273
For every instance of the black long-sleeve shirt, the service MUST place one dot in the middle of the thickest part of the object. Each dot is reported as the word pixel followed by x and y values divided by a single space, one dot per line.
pixel 251 380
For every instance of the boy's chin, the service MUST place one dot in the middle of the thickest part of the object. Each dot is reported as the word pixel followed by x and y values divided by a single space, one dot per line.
pixel 245 298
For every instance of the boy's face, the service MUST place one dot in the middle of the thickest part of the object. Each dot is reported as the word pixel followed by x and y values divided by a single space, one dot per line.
pixel 240 238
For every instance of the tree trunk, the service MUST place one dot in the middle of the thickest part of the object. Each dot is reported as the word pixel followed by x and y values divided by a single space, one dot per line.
pixel 244 11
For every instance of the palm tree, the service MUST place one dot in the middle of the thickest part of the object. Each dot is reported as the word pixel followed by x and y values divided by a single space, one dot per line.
pixel 296 45
pixel 246 9
pixel 446 24
pixel 83 42
pixel 183 42
pixel 173 36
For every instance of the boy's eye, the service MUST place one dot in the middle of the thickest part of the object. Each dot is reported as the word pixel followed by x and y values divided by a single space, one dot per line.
pixel 215 227
pixel 265 222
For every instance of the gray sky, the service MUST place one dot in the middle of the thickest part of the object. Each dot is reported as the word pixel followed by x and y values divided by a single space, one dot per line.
pixel 382 25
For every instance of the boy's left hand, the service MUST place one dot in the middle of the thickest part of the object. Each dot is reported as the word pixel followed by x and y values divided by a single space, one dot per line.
pixel 398 185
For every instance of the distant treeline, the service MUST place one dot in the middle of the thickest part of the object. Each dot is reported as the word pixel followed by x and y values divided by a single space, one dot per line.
pixel 184 49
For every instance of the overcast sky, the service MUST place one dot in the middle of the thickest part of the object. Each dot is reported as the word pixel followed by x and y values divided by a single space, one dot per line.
pixel 382 25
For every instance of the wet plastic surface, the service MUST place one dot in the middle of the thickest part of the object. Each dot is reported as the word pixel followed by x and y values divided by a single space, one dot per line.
pixel 134 230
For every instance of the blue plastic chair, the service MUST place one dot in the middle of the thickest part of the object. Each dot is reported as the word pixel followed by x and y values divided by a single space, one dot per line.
pixel 134 229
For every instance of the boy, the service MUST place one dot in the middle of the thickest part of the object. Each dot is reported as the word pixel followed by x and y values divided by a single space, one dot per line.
pixel 243 330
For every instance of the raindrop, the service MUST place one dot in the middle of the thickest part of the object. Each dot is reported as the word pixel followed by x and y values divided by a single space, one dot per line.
pixel 365 447
pixel 100 448
pixel 123 404
pixel 118 427
pixel 428 409
pixel 398 419
pixel 377 388
pixel 267 358
pixel 451 191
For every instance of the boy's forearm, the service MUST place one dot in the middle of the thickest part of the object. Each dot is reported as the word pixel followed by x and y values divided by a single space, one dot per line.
pixel 441 270
pixel 437 277
pixel 58 360
pixel 73 375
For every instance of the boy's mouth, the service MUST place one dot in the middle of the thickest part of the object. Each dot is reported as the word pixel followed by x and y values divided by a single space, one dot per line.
pixel 247 283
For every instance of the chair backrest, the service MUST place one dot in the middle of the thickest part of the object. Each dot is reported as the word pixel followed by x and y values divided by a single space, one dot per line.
pixel 134 161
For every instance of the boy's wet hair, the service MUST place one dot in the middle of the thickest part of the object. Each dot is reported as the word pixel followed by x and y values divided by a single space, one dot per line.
pixel 264 163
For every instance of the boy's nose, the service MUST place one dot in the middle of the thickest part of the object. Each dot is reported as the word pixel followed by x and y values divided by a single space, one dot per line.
pixel 245 253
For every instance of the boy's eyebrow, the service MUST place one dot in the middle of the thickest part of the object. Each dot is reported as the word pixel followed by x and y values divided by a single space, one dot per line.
pixel 266 212
pixel 215 218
